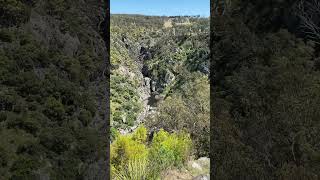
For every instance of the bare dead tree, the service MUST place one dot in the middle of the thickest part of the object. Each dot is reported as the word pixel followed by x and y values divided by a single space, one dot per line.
pixel 309 13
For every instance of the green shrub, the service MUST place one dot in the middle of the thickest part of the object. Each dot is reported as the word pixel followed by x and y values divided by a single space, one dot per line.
pixel 140 134
pixel 57 7
pixel 3 158
pixel 125 149
pixel 125 102
pixel 291 171
pixel 136 169
pixel 6 35
pixel 57 139
pixel 13 12
pixel 24 168
pixel 114 133
pixel 131 156
pixel 88 143
pixel 85 117
pixel 25 121
pixel 54 109
pixel 170 149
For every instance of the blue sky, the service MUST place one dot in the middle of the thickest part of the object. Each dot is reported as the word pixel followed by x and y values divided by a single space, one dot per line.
pixel 161 7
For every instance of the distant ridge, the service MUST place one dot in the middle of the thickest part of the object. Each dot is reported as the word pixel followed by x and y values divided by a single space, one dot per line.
pixel 147 15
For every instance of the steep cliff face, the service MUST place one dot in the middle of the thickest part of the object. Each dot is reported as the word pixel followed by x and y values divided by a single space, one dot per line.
pixel 52 85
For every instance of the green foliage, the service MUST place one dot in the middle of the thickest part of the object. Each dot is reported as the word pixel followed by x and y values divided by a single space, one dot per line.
pixel 54 109
pixel 135 169
pixel 264 100
pixel 85 117
pixel 14 12
pixel 57 7
pixel 29 122
pixel 19 158
pixel 294 172
pixel 114 133
pixel 23 168
pixel 48 99
pixel 56 139
pixel 88 144
pixel 133 158
pixel 6 35
pixel 125 149
pixel 125 102
pixel 140 134
pixel 169 150
pixel 187 108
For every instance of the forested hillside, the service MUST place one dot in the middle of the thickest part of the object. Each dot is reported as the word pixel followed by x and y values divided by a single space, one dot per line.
pixel 159 95
pixel 52 85
pixel 265 90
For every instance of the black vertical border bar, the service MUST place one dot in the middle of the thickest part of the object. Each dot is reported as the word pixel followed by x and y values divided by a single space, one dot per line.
pixel 106 38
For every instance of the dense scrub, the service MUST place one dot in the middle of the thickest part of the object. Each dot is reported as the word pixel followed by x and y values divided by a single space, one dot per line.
pixel 265 87
pixel 50 119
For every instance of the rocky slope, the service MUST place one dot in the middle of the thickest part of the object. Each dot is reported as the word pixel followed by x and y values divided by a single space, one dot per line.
pixel 149 54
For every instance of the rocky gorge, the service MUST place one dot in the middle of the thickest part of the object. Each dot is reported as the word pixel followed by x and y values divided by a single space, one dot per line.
pixel 159 80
